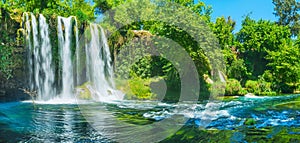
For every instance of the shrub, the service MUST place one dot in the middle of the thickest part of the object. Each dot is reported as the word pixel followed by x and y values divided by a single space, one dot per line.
pixel 137 88
pixel 140 88
pixel 259 87
pixel 252 86
pixel 265 88
pixel 233 87
pixel 243 91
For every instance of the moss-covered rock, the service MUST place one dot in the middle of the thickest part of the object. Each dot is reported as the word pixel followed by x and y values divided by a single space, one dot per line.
pixel 83 91
pixel 249 121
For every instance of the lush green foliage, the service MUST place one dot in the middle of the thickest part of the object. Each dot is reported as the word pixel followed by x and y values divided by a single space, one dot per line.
pixel 256 39
pixel 259 87
pixel 288 13
pixel 223 29
pixel 262 56
pixel 79 8
pixel 137 88
pixel 140 88
pixel 252 86
pixel 285 64
pixel 11 40
pixel 132 35
pixel 233 87
pixel 10 44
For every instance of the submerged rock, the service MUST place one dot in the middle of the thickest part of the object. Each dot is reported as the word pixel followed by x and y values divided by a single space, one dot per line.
pixel 250 121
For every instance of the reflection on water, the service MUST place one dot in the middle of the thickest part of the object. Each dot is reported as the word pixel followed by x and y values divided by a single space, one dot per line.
pixel 45 123
pixel 244 119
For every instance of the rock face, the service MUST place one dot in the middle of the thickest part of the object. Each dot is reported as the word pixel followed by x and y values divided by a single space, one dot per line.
pixel 12 95
pixel 11 89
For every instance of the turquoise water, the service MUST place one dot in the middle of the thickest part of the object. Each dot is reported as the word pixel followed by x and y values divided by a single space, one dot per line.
pixel 103 122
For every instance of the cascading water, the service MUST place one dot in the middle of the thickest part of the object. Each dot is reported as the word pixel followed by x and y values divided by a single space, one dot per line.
pixel 40 66
pixel 29 49
pixel 64 40
pixel 36 55
pixel 100 72
pixel 77 54
pixel 107 58
pixel 92 61
pixel 221 76
pixel 47 79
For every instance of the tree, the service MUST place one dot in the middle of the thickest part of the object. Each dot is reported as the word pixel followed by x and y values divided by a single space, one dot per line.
pixel 235 67
pixel 138 16
pixel 256 39
pixel 147 9
pixel 104 5
pixel 83 10
pixel 223 29
pixel 285 64
pixel 288 13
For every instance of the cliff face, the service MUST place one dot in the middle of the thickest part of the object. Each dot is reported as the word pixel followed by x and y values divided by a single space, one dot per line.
pixel 12 57
pixel 12 89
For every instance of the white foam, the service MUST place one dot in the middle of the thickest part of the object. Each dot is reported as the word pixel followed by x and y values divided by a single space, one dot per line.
pixel 250 95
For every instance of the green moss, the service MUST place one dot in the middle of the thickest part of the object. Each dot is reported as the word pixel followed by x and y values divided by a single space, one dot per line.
pixel 193 134
pixel 84 92
pixel 250 121
pixel 140 88
pixel 136 119
pixel 291 105
pixel 227 98
pixel 137 88
pixel 131 116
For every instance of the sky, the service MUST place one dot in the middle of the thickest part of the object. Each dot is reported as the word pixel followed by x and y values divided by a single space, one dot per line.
pixel 238 9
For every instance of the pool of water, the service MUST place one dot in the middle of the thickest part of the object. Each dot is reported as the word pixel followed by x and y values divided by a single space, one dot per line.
pixel 238 120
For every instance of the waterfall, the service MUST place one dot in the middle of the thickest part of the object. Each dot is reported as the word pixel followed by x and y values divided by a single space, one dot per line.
pixel 47 81
pixel 64 40
pixel 77 54
pixel 40 64
pixel 99 65
pixel 36 54
pixel 29 49
pixel 221 76
pixel 91 63
pixel 107 58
